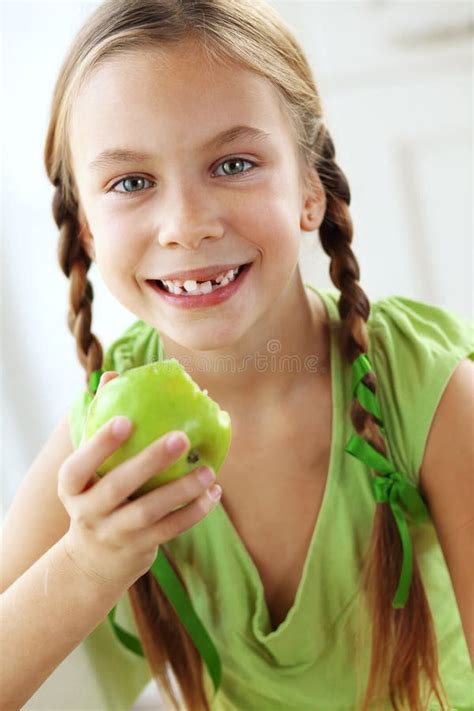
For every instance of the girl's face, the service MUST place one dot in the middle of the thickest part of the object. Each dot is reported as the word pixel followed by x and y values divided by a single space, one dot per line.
pixel 186 206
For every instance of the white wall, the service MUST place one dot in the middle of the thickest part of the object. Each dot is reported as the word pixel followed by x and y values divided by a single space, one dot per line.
pixel 396 84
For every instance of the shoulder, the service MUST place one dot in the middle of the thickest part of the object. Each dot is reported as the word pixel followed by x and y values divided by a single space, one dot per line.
pixel 418 329
pixel 415 348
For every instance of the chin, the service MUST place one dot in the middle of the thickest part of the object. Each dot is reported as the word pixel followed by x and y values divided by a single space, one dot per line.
pixel 205 342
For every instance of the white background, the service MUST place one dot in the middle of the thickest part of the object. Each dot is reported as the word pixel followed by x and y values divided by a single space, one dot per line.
pixel 396 85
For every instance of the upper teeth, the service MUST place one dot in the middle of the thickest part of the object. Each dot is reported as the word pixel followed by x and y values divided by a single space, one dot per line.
pixel 191 285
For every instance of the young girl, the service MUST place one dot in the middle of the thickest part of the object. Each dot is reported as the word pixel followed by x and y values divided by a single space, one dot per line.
pixel 187 146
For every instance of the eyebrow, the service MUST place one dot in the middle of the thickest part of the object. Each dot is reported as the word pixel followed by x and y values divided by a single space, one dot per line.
pixel 116 156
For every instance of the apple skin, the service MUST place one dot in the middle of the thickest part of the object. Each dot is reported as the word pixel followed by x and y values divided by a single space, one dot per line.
pixel 158 398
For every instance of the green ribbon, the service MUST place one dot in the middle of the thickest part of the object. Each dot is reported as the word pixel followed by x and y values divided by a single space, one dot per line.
pixel 360 367
pixel 179 599
pixel 391 487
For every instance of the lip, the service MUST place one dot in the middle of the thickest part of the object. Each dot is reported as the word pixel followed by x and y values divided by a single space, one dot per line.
pixel 201 274
pixel 203 300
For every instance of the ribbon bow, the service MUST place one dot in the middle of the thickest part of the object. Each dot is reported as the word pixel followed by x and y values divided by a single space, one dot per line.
pixel 178 597
pixel 391 487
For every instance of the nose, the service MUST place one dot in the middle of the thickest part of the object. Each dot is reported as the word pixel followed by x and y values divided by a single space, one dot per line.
pixel 188 217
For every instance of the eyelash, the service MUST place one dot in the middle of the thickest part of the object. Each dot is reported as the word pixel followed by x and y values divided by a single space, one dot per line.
pixel 227 160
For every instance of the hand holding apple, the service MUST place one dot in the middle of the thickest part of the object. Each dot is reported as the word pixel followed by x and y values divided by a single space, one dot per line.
pixel 110 540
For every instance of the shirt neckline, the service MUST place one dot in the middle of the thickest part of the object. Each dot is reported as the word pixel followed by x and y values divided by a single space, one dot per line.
pixel 261 620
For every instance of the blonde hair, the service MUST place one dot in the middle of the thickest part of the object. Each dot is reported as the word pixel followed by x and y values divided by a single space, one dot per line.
pixel 251 34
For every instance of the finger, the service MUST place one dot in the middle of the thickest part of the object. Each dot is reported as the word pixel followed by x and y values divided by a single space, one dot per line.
pixel 106 377
pixel 82 464
pixel 114 488
pixel 155 505
pixel 176 522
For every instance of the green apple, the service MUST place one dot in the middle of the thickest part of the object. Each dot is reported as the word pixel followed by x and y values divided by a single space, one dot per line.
pixel 158 398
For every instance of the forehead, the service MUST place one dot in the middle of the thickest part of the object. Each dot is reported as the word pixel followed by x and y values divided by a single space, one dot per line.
pixel 175 97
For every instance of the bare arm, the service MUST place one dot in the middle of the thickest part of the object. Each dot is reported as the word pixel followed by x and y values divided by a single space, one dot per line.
pixel 36 519
pixel 46 613
pixel 447 481
pixel 73 544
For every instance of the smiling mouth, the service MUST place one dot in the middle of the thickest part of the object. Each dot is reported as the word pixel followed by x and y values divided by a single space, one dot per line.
pixel 211 285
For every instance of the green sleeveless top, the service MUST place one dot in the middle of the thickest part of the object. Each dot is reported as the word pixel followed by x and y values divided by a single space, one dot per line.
pixel 310 662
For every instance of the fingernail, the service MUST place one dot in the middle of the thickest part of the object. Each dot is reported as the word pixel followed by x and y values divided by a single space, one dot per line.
pixel 205 475
pixel 121 426
pixel 176 443
pixel 215 492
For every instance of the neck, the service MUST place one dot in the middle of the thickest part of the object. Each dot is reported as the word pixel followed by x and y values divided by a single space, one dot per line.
pixel 283 354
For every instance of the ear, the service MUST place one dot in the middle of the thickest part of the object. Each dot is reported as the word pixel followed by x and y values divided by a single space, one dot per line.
pixel 314 202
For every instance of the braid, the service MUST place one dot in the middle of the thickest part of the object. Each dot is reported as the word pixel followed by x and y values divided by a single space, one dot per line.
pixel 156 618
pixel 409 631
pixel 75 263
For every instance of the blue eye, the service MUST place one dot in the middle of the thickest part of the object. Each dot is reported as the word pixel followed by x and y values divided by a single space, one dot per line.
pixel 235 160
pixel 136 182
pixel 130 179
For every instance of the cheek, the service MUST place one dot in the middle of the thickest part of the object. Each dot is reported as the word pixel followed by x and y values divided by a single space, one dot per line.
pixel 117 260
pixel 268 215
pixel 119 248
pixel 272 225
